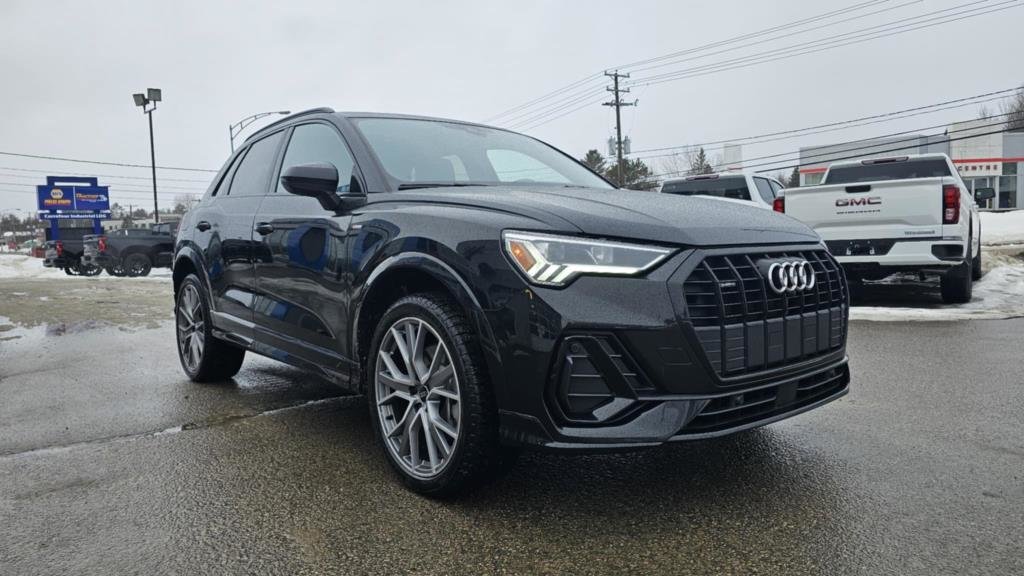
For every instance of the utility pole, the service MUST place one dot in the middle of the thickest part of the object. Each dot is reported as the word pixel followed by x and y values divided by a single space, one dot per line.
pixel 618 104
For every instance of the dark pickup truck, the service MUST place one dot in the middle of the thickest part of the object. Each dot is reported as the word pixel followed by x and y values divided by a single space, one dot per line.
pixel 131 251
pixel 66 251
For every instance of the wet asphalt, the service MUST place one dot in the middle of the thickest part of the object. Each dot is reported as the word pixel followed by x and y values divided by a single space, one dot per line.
pixel 111 462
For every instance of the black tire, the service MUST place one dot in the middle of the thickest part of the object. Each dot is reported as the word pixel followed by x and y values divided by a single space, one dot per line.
pixel 956 284
pixel 90 270
pixel 71 271
pixel 976 261
pixel 136 265
pixel 218 360
pixel 116 270
pixel 477 455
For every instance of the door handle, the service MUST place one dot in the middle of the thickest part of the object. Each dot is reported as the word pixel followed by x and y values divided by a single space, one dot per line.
pixel 264 228
pixel 202 226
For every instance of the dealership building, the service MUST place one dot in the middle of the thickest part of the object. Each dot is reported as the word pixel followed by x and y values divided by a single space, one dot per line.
pixel 984 160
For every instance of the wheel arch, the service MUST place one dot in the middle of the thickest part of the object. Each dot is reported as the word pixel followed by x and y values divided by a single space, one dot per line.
pixel 410 273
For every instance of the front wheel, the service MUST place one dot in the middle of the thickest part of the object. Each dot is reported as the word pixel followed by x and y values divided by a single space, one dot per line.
pixel 430 402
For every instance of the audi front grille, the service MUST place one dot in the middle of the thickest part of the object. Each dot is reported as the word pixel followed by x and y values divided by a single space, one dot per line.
pixel 745 326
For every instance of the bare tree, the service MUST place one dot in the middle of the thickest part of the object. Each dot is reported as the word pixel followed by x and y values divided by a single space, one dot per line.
pixel 1014 110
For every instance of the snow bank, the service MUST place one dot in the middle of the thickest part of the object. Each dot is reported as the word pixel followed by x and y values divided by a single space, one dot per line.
pixel 999 294
pixel 1002 227
pixel 22 266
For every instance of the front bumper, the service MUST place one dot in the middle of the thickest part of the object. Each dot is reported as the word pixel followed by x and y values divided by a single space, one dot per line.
pixel 618 363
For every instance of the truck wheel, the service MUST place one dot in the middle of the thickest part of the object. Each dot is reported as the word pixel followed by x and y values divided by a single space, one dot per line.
pixel 430 401
pixel 976 262
pixel 116 270
pixel 204 357
pixel 137 265
pixel 90 270
pixel 71 270
pixel 956 284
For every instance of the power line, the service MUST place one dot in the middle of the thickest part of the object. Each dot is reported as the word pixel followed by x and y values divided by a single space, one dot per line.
pixel 115 185
pixel 873 149
pixel 899 149
pixel 57 172
pixel 121 164
pixel 589 81
pixel 825 44
pixel 903 26
pixel 676 60
pixel 862 121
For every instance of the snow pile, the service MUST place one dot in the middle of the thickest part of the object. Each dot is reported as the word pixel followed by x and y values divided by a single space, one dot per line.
pixel 22 266
pixel 999 294
pixel 1002 227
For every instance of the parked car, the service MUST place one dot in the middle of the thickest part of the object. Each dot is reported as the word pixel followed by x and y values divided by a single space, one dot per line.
pixel 487 292
pixel 65 252
pixel 760 191
pixel 131 251
pixel 900 214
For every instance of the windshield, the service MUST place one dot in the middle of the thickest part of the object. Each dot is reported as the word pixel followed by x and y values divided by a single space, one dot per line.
pixel 424 152
pixel 924 168
pixel 731 187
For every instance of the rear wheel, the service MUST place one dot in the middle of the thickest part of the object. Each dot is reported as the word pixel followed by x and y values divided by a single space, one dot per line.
pixel 137 265
pixel 89 270
pixel 976 261
pixel 116 270
pixel 956 284
pixel 204 357
pixel 430 402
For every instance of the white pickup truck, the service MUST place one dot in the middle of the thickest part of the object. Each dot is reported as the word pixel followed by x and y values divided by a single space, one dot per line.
pixel 901 214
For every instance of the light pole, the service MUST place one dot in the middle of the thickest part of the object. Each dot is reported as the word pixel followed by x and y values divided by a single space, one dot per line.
pixel 236 128
pixel 152 96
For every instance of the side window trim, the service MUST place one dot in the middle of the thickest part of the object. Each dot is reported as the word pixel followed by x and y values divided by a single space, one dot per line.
pixel 230 176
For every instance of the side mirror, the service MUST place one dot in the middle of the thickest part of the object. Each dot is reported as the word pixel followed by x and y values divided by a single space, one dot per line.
pixel 982 195
pixel 319 181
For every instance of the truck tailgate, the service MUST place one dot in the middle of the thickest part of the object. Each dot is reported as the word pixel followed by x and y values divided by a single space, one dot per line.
pixel 871 210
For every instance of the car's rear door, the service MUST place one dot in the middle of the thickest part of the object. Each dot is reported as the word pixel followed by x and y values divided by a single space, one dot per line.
pixel 302 304
pixel 224 232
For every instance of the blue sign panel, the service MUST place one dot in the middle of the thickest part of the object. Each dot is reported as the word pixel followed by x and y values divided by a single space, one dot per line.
pixel 63 195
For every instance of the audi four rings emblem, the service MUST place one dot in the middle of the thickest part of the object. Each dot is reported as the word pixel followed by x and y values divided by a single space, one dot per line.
pixel 790 276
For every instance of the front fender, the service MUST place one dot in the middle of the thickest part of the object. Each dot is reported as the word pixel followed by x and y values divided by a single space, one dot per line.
pixel 452 276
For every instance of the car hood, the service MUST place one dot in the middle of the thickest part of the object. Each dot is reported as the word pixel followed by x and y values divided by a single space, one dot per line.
pixel 652 216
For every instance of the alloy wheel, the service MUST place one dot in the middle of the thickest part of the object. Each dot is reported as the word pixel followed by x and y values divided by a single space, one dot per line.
pixel 191 335
pixel 418 400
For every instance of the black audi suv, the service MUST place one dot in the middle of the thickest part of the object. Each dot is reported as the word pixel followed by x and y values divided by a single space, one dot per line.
pixel 488 292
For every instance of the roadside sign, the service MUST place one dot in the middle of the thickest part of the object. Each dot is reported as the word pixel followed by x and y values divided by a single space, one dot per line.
pixel 71 197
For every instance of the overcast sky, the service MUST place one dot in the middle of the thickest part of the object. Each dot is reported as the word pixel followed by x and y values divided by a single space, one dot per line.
pixel 69 70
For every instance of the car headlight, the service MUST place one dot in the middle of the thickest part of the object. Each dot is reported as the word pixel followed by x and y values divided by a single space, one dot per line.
pixel 556 260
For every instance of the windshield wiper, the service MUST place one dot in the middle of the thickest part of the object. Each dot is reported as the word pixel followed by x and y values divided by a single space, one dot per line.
pixel 419 185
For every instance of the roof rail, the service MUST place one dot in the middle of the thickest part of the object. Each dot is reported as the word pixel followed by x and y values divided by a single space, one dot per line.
pixel 321 110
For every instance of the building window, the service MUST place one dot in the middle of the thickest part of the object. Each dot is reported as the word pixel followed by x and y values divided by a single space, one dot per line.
pixel 1007 191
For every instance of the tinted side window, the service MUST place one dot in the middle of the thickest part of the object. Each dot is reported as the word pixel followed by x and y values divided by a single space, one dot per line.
pixel 311 143
pixel 727 187
pixel 252 178
pixel 764 189
pixel 776 187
